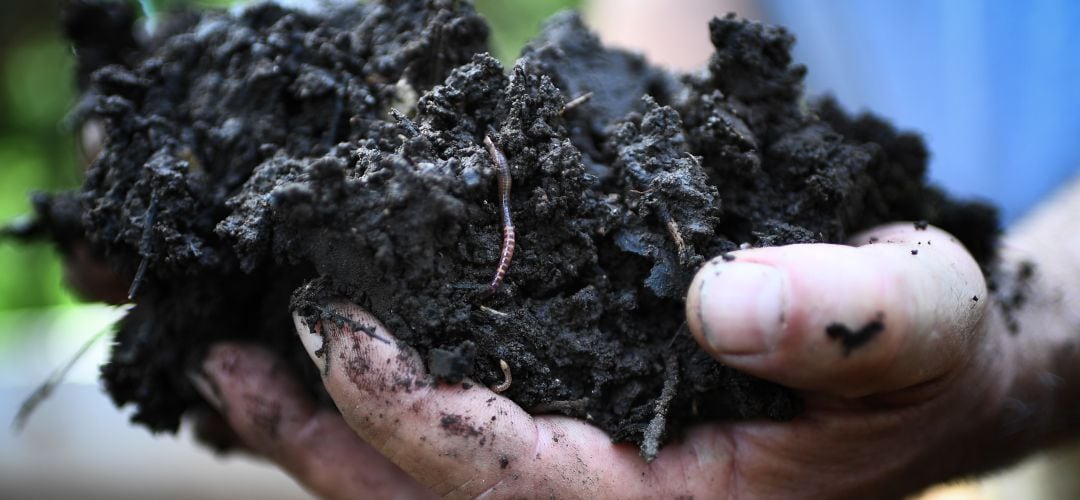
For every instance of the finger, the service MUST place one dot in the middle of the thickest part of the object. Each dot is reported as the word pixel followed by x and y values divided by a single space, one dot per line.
pixel 461 442
pixel 273 417
pixel 212 430
pixel 851 321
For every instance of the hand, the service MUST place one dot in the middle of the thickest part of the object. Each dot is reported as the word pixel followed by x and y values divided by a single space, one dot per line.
pixel 904 375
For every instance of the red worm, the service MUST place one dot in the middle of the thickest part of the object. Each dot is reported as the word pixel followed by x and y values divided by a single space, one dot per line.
pixel 502 168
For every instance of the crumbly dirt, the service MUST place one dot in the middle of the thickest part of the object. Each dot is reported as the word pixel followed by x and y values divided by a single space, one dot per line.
pixel 271 153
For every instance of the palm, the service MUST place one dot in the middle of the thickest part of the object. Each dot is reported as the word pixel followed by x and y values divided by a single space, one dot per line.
pixel 872 414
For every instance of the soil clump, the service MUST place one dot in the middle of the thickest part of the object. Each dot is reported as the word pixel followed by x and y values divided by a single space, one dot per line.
pixel 263 160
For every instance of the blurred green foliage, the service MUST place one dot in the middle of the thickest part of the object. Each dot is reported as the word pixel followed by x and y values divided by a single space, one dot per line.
pixel 516 22
pixel 37 151
pixel 35 154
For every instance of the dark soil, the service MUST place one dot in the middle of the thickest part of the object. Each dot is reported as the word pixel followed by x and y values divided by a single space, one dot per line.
pixel 340 153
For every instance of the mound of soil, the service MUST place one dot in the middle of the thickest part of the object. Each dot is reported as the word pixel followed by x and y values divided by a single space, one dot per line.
pixel 274 155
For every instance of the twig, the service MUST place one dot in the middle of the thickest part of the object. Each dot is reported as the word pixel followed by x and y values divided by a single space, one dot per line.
pixel 405 122
pixel 341 319
pixel 23 228
pixel 144 247
pixel 650 446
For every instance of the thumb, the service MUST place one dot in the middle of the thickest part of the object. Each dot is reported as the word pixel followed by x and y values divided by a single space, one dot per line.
pixel 900 310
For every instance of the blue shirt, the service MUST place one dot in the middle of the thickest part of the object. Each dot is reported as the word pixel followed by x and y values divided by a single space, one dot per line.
pixel 993 86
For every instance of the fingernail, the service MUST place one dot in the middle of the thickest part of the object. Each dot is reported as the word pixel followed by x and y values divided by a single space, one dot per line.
pixel 312 340
pixel 743 305
pixel 207 390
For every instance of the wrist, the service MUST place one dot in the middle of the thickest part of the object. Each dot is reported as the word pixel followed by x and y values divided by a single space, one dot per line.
pixel 1046 247
pixel 1021 391
pixel 1034 334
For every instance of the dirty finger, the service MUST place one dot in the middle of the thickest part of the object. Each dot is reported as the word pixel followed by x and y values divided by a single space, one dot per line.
pixel 895 312
pixel 459 442
pixel 275 418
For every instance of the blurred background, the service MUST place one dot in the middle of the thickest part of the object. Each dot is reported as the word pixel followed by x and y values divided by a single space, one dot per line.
pixel 993 86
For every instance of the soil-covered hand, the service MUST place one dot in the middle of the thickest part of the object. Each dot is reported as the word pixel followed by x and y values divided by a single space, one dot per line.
pixel 907 370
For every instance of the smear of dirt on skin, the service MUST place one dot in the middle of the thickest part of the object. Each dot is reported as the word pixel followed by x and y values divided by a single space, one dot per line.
pixel 852 339
pixel 339 153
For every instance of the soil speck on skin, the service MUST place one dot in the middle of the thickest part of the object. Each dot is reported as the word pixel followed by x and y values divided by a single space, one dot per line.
pixel 1010 288
pixel 914 252
pixel 853 339
pixel 456 425
pixel 289 158
pixel 1026 270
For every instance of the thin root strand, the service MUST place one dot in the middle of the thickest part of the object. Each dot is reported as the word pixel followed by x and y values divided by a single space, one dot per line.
pixel 136 282
pixel 673 230
pixel 493 312
pixel 577 101
pixel 343 320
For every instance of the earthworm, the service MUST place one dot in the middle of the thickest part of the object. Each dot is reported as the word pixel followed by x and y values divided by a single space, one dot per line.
pixel 507 379
pixel 502 169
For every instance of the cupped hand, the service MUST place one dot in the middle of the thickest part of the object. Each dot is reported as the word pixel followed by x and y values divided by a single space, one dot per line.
pixel 886 342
